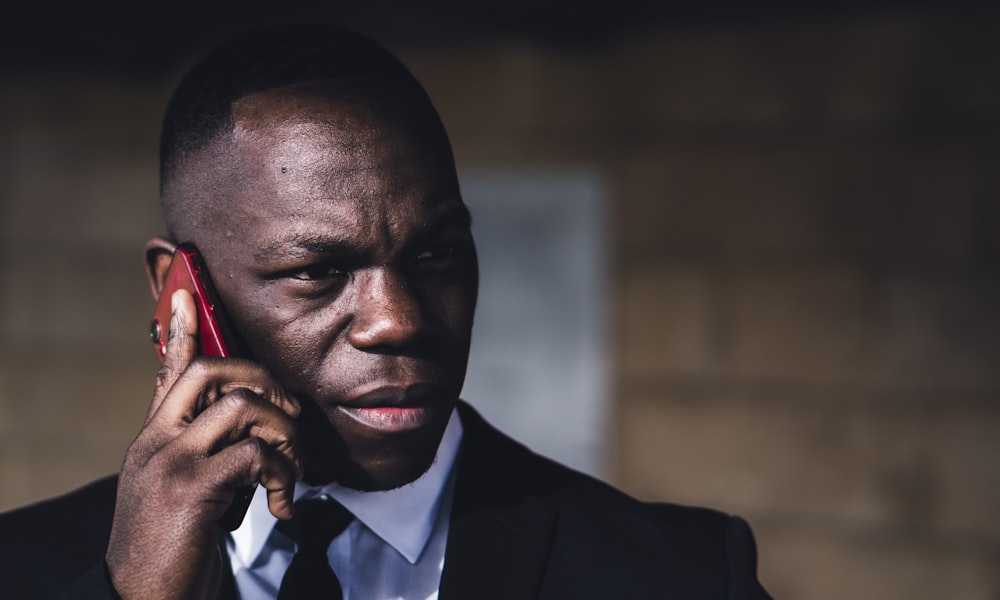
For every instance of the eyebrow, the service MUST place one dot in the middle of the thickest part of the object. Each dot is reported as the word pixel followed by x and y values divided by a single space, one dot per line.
pixel 297 244
pixel 449 215
pixel 452 214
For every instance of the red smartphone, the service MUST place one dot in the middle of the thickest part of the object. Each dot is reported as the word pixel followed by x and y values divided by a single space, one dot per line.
pixel 187 271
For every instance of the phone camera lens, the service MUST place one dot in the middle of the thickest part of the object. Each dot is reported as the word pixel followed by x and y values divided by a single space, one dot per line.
pixel 154 331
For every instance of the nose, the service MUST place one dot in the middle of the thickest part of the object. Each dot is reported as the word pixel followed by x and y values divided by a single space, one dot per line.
pixel 387 313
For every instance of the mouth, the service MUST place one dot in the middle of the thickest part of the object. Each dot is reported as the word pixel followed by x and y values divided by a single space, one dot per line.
pixel 394 408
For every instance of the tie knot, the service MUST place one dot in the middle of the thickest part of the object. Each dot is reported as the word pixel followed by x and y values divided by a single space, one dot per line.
pixel 315 523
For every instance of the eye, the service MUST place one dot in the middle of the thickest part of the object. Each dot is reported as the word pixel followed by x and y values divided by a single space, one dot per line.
pixel 317 272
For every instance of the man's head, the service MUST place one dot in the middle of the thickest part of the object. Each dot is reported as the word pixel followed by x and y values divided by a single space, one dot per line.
pixel 314 175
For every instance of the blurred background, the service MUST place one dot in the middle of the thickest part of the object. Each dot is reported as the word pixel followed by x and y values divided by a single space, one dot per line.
pixel 745 256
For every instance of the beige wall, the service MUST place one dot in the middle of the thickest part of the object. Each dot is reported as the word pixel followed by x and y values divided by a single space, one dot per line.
pixel 806 223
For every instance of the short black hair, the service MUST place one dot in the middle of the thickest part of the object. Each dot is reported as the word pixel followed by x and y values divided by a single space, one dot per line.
pixel 260 59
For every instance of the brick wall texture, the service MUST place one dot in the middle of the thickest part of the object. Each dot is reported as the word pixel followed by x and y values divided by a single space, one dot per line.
pixel 804 278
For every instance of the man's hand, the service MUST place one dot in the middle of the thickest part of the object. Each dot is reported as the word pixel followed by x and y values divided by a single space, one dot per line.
pixel 214 425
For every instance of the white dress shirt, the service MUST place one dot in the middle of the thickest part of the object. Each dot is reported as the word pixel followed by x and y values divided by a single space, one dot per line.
pixel 394 549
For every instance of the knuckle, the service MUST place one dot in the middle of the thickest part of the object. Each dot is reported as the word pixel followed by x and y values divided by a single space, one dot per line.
pixel 256 368
pixel 144 447
pixel 275 476
pixel 283 442
pixel 254 449
pixel 279 396
pixel 138 449
pixel 164 375
pixel 245 368
pixel 159 462
pixel 239 400
pixel 198 368
pixel 260 373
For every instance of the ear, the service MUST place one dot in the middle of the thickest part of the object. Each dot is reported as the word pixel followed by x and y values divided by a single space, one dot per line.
pixel 159 252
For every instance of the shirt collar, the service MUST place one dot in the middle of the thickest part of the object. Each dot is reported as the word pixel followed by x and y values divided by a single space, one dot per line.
pixel 403 517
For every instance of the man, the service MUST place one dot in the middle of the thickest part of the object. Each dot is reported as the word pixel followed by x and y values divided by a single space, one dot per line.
pixel 315 177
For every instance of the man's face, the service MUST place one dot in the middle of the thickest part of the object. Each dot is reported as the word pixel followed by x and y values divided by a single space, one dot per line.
pixel 341 250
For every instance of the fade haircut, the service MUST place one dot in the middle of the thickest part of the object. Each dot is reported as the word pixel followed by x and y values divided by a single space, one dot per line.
pixel 264 58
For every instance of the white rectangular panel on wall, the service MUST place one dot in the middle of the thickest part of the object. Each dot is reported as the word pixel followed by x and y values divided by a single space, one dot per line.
pixel 539 361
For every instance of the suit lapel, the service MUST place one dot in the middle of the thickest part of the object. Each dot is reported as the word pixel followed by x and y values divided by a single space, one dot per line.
pixel 499 536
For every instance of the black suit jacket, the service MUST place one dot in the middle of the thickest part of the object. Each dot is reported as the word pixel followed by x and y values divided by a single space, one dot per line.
pixel 522 527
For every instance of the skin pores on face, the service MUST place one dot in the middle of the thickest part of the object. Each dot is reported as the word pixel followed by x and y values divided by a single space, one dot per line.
pixel 331 222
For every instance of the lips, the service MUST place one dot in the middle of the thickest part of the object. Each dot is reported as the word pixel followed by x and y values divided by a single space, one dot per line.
pixel 394 408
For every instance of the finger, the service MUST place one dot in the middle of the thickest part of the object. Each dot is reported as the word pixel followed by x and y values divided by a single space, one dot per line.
pixel 182 347
pixel 207 379
pixel 280 502
pixel 253 461
pixel 237 415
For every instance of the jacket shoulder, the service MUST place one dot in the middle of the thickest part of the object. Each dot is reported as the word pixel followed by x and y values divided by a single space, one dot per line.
pixel 49 545
pixel 606 543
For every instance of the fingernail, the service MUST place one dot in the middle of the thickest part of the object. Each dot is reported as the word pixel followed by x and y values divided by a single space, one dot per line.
pixel 175 317
pixel 175 322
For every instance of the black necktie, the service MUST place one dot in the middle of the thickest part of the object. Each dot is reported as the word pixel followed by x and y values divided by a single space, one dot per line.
pixel 315 524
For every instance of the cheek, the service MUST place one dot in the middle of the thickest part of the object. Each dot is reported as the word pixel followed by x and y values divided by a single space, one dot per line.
pixel 304 343
pixel 290 339
pixel 452 318
pixel 460 307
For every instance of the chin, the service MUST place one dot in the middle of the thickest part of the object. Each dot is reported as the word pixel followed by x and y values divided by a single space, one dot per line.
pixel 344 449
pixel 389 477
pixel 386 470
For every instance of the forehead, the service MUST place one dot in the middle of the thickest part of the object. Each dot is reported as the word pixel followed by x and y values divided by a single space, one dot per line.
pixel 312 151
pixel 332 127
pixel 325 114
